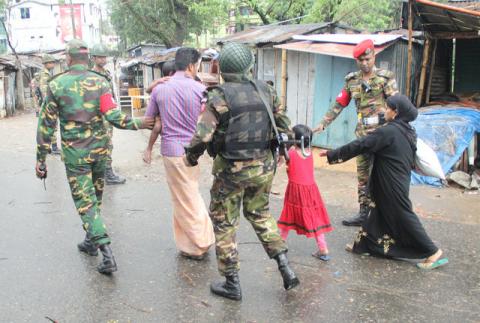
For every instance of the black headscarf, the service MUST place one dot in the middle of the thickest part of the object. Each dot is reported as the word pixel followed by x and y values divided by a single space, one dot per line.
pixel 406 112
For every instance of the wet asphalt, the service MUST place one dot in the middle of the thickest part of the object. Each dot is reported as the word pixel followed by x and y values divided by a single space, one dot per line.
pixel 43 277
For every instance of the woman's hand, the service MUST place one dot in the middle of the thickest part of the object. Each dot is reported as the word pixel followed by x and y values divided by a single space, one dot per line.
pixel 323 153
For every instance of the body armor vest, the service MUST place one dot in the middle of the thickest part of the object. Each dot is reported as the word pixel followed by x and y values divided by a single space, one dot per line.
pixel 249 130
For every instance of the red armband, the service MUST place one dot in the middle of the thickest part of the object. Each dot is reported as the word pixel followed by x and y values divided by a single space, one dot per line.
pixel 343 98
pixel 107 103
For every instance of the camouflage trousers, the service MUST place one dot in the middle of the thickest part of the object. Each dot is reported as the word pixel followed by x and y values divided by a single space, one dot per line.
pixel 364 168
pixel 86 185
pixel 238 184
pixel 109 128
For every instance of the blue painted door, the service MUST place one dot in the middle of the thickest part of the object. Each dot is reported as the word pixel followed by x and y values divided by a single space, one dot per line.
pixel 330 75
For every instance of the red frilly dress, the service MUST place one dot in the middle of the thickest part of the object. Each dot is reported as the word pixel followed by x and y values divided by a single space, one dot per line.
pixel 303 208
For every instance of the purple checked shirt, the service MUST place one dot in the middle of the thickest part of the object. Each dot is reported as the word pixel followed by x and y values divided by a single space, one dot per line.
pixel 178 102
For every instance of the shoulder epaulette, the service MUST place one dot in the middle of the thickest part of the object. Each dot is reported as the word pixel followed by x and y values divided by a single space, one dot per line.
pixel 385 73
pixel 350 76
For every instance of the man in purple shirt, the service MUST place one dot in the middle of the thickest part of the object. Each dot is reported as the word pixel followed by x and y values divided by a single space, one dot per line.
pixel 178 103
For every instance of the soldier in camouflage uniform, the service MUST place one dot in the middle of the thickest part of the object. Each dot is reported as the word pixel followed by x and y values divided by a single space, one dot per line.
pixel 237 127
pixel 81 99
pixel 36 94
pixel 48 62
pixel 369 87
pixel 99 57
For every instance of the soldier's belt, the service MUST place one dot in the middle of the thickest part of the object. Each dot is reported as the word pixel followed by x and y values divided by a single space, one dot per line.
pixel 373 121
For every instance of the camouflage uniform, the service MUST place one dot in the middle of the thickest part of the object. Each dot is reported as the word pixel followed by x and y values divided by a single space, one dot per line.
pixel 108 76
pixel 44 78
pixel 382 85
pixel 234 181
pixel 74 98
pixel 35 91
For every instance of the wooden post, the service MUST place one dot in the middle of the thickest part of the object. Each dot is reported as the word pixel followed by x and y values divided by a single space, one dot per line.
pixel 284 77
pixel 410 44
pixel 432 69
pixel 421 85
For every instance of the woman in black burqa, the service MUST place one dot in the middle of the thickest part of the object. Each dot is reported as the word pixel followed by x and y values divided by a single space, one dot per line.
pixel 392 230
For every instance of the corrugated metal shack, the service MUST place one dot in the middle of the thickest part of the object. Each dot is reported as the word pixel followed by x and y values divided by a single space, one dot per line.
pixel 316 68
pixel 139 72
pixel 262 39
pixel 452 49
pixel 8 82
pixel 450 68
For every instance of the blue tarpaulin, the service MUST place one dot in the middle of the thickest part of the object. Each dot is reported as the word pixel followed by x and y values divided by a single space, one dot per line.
pixel 448 131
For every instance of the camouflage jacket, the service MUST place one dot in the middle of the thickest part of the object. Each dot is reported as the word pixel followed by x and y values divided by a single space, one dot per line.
pixel 209 124
pixel 43 81
pixel 368 102
pixel 74 98
pixel 35 91
pixel 106 73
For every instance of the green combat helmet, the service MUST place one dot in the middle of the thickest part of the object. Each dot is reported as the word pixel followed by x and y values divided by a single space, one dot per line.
pixel 235 58
pixel 47 58
pixel 76 46
pixel 98 50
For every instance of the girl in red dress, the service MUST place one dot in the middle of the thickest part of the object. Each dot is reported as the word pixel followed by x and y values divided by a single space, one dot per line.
pixel 303 208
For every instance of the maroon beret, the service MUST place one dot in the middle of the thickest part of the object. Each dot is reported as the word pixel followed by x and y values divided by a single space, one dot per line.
pixel 364 47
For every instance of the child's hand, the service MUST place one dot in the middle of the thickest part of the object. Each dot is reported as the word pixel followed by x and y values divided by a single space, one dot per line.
pixel 323 153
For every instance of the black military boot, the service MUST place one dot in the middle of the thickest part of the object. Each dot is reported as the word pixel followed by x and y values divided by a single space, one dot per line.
pixel 229 289
pixel 359 218
pixel 108 264
pixel 290 280
pixel 55 150
pixel 88 247
pixel 112 179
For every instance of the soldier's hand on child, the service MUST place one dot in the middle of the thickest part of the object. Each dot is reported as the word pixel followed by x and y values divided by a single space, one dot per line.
pixel 147 123
pixel 39 171
pixel 323 153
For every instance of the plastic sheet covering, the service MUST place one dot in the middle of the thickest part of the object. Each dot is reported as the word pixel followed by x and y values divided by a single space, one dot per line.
pixel 448 131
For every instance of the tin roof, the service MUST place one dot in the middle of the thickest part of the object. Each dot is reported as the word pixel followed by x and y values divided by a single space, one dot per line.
pixel 330 49
pixel 436 17
pixel 378 39
pixel 9 60
pixel 276 34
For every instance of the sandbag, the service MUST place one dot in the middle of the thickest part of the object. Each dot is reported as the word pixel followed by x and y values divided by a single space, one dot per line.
pixel 426 161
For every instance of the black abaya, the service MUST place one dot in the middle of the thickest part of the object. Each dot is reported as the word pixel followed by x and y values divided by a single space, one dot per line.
pixel 392 229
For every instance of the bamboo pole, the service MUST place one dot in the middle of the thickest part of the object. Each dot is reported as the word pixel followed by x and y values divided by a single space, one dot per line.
pixel 421 86
pixel 410 44
pixel 284 78
pixel 432 69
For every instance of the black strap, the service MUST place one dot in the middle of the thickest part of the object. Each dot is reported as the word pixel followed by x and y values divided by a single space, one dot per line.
pixel 268 107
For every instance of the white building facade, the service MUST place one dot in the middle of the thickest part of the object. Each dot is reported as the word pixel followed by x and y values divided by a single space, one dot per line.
pixel 45 25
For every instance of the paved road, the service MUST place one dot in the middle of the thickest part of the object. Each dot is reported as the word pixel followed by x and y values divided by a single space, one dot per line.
pixel 43 275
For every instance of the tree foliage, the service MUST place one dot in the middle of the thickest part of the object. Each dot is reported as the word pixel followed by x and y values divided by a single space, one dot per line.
pixel 165 21
pixel 363 14
pixel 371 15
pixel 271 11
